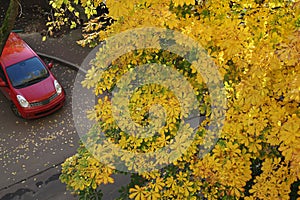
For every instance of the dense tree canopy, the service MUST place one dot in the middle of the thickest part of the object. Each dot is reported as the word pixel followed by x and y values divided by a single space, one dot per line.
pixel 255 45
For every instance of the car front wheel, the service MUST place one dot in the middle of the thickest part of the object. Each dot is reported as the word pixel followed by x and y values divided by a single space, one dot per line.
pixel 15 110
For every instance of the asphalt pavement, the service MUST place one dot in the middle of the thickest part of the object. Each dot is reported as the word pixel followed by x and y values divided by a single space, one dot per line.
pixel 32 151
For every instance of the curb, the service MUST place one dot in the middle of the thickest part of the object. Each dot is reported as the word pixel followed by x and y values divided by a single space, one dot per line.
pixel 72 65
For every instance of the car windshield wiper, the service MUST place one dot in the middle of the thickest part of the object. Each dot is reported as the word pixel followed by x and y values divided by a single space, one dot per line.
pixel 32 81
pixel 39 78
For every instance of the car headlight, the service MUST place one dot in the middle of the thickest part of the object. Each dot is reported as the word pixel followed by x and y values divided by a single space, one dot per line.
pixel 58 87
pixel 23 102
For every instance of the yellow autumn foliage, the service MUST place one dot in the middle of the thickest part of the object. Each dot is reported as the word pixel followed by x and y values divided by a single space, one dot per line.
pixel 256 46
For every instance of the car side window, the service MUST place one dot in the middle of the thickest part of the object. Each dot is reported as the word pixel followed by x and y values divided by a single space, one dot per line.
pixel 2 75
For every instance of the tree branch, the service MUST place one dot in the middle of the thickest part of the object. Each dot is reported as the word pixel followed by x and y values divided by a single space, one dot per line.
pixel 8 23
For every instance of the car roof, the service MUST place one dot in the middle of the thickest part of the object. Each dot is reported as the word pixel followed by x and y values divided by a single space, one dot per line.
pixel 15 50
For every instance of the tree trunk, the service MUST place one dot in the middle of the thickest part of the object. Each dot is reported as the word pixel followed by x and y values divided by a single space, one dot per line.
pixel 8 23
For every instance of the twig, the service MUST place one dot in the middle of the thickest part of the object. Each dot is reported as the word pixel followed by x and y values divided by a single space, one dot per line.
pixel 21 10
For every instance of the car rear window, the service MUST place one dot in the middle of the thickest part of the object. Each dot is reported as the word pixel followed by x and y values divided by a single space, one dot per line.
pixel 27 73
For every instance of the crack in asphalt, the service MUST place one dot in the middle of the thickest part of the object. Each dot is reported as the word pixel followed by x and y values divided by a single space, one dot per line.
pixel 20 192
pixel 31 176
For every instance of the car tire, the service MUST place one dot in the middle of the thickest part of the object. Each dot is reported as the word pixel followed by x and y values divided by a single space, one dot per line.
pixel 15 110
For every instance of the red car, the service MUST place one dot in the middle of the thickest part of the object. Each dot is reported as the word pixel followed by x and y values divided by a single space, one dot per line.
pixel 27 82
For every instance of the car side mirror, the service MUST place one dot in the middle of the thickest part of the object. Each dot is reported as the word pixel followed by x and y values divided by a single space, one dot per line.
pixel 2 83
pixel 50 65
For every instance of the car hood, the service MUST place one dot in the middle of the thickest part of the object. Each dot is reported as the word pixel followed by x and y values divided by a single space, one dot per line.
pixel 38 91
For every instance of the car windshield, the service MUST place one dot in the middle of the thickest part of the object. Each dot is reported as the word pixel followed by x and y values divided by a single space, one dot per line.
pixel 27 73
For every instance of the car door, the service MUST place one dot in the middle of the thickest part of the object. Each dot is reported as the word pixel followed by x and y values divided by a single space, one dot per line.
pixel 5 90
